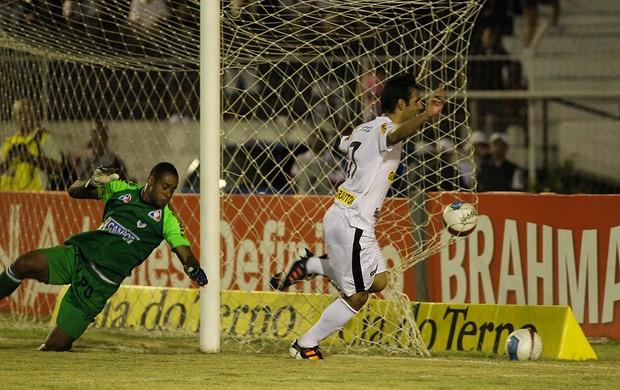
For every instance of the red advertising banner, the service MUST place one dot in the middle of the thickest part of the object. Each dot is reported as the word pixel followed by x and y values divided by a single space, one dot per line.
pixel 527 249
pixel 260 235
pixel 544 249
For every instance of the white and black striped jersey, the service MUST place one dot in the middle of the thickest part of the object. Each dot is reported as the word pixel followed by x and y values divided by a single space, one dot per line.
pixel 371 169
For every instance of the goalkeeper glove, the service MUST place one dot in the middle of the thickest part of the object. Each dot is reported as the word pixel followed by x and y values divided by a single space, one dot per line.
pixel 196 274
pixel 102 175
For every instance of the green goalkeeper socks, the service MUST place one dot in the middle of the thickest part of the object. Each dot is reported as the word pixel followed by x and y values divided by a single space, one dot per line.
pixel 8 283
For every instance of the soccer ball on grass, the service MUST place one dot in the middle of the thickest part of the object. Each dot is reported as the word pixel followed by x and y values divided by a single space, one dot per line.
pixel 524 344
pixel 460 218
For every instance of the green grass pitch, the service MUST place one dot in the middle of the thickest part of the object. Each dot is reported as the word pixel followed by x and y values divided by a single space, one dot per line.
pixel 107 360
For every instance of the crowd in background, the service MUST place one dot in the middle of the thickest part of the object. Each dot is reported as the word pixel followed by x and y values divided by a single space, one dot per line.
pixel 32 158
pixel 137 25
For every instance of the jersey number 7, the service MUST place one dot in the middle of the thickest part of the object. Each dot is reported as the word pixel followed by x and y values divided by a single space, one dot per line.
pixel 352 166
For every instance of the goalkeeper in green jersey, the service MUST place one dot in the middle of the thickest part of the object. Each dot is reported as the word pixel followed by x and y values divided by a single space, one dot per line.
pixel 136 218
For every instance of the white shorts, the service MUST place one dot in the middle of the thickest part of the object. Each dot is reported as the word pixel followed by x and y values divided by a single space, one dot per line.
pixel 354 254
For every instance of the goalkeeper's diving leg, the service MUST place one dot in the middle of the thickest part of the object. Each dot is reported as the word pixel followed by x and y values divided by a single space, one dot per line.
pixel 33 265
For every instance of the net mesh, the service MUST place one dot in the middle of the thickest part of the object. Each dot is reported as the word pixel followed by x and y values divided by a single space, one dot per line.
pixel 296 75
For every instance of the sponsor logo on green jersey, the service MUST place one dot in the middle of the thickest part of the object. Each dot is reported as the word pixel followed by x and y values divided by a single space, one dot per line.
pixel 112 226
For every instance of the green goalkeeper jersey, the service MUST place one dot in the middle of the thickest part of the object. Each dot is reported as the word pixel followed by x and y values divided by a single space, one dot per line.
pixel 130 231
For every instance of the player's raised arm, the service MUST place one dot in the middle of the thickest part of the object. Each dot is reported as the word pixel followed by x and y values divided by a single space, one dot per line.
pixel 411 115
pixel 87 188
pixel 80 190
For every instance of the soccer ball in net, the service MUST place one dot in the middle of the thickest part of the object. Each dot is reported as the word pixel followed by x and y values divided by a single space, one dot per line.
pixel 524 344
pixel 460 218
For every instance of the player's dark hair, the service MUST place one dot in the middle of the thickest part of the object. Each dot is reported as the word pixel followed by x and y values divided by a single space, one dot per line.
pixel 163 168
pixel 397 87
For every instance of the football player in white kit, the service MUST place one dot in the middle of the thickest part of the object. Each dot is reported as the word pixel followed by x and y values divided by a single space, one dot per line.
pixel 354 259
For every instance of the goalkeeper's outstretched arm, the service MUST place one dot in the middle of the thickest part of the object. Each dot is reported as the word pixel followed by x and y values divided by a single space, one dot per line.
pixel 87 188
pixel 80 190
pixel 191 265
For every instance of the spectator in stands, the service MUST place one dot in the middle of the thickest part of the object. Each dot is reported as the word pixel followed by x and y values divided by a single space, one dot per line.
pixel 97 154
pixel 183 90
pixel 421 162
pixel 30 157
pixel 330 99
pixel 434 166
pixel 478 146
pixel 486 71
pixel 20 16
pixel 184 22
pixel 183 86
pixel 327 18
pixel 515 110
pixel 499 14
pixel 146 14
pixel 372 82
pixel 17 14
pixel 24 10
pixel 446 176
pixel 530 18
pixel 143 22
pixel 243 91
pixel 83 15
pixel 315 171
pixel 49 13
pixel 497 173
pixel 111 26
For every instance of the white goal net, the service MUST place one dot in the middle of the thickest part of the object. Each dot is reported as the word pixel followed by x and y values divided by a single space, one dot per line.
pixel 295 76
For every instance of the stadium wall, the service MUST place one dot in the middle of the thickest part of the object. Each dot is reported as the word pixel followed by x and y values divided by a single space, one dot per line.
pixel 527 249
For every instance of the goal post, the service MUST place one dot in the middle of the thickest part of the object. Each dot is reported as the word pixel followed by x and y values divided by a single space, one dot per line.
pixel 210 328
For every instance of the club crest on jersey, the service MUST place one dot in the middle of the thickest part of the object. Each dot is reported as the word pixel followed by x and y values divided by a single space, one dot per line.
pixel 383 128
pixel 141 224
pixel 125 198
pixel 155 214
pixel 392 176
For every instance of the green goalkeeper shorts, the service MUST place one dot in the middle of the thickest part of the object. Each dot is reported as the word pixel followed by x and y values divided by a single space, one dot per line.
pixel 87 295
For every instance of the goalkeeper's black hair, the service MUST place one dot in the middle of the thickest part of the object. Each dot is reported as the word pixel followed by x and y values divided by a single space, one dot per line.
pixel 397 87
pixel 161 169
